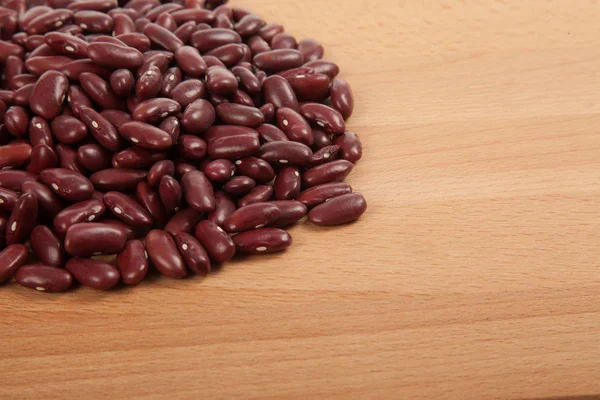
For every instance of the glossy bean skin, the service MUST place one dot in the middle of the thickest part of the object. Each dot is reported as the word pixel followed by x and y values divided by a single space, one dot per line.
pixel 39 132
pixel 120 179
pixel 268 112
pixel 85 211
pixel 146 136
pixel 170 193
pixel 292 153
pixel 171 79
pixel 191 147
pixel 188 91
pixel 123 24
pixel 153 111
pixel 133 263
pixel 12 258
pixel 198 117
pixel 149 83
pixel 278 60
pixel 350 146
pixel 220 131
pixel 328 118
pixel 68 184
pixel 283 41
pixel 260 193
pixel 185 31
pixel 136 40
pixel 100 91
pixel 255 168
pixel 95 5
pixel 47 246
pixel 271 133
pixel 278 91
pixel 338 210
pixel 324 67
pixel 44 278
pixel 198 191
pixel 171 125
pixel 14 179
pixel 193 252
pixel 127 209
pixel 321 139
pixel 162 37
pixel 335 171
pixel 258 45
pixel 219 170
pixel 151 201
pixel 48 94
pixel 236 114
pixel 253 216
pixel 221 81
pixel 219 246
pixel 184 221
pixel 325 155
pixel 3 222
pixel 233 147
pixel 287 184
pixel 190 61
pixel 164 254
pixel 91 238
pixel 122 226
pixel 116 117
pixel 49 21
pixel 262 241
pixel 114 56
pixel 311 49
pixel 68 130
pixel 75 68
pixel 160 169
pixel 239 185
pixel 16 121
pixel 224 207
pixel 291 211
pixel 77 99
pixel 49 205
pixel 41 64
pixel 229 54
pixel 294 126
pixel 210 39
pixel 22 219
pixel 182 167
pixel 21 98
pixel 67 157
pixel 8 199
pixel 93 273
pixel 15 154
pixel 93 157
pixel 249 25
pixel 136 158
pixel 122 82
pixel 342 98
pixel 93 21
pixel 268 31
pixel 313 87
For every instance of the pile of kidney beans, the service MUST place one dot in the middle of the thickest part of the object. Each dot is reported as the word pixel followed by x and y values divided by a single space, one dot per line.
pixel 173 135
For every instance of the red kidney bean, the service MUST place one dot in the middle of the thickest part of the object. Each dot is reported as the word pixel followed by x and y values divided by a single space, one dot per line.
pixel 135 158
pixel 198 191
pixel 67 157
pixel 221 81
pixel 326 117
pixel 149 83
pixel 166 21
pixel 141 23
pixel 212 61
pixel 289 152
pixel 255 168
pixel 253 216
pixel 313 87
pixel 40 64
pixel 291 211
pixel 164 254
pixel 239 13
pixel 151 202
pixel 44 278
pixel 18 82
pixel 258 45
pixel 13 179
pixel 294 126
pixel 155 12
pixel 68 184
pixel 321 193
pixel 271 133
pixel 239 185
pixel 325 155
pixel 224 207
pixel 32 13
pixel 99 91
pixel 12 258
pixel 146 136
pixel 219 170
pixel 268 31
pixel 93 21
pixel 278 60
pixel 39 132
pixel 9 49
pixel 338 210
pixel 127 209
pixel 342 98
pixel 93 157
pixel 193 253
pixel 236 114
pixel 117 179
pixel 277 91
pixel 268 111
pixel 77 98
pixel 287 184
pixel 249 25
pixel 49 21
pixel 123 24
pixel 247 79
pixel 321 139
pixel 197 15
pixel 350 146
pixel 131 13
pixel 188 91
pixel 190 61
pixel 66 44
pixel 262 241
pixel 22 219
pixel 123 227
pixel 182 167
pixel 191 147
pixel 185 31
pixel 160 169
pixel 137 41
pixel 15 154
pixel 162 37
pixel 122 82
pixel 8 199
pixel 14 66
pixel 229 54
pixel 93 273
pixel 22 96
pixel 42 157
pixel 96 5
pixel 49 204
pixel 259 194
pixel 132 262
pixel 184 221
pixel 170 193
pixel 3 222
pixel 323 67
pixel 242 98
pixel 233 147
pixel 335 171
pixel 220 131
pixel 171 79
pixel 91 238
pixel 68 130
pixel 222 21
pixel 47 246
pixel 283 41
pixel 311 49
pixel 155 110
pixel 16 121
pixel 198 117
pixel 210 39
pixel 116 117
pixel 219 246
pixel 75 68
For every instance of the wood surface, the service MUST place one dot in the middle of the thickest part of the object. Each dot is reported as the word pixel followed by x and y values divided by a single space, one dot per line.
pixel 475 272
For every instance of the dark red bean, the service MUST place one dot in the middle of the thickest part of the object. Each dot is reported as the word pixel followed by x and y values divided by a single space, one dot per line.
pixel 287 184
pixel 268 31
pixel 242 98
pixel 93 21
pixel 311 49
pixel 236 114
pixel 151 202
pixel 313 87
pixel 291 211
pixel 8 199
pixel 44 278
pixel 123 227
pixel 224 207
pixel 325 155
pixel 326 117
pixel 323 67
pixel 219 246
pixel 191 147
pixel 22 219
pixel 233 147
pixel 18 82
pixel 38 65
pixel 123 24
pixel 68 184
pixel 338 210
pixel 196 15
pixel 49 21
pixel 253 216
pixel 90 238
pixel 184 221
pixel 93 273
pixel 130 12
pixel 262 241
pixel 127 209
pixel 219 170
pixel 22 96
pixel 42 157
pixel 321 139
pixel 85 211
pixel 278 60
pixel 68 130
pixel 210 39
pixel 222 21
pixel 193 253
pixel 117 179
pixel 67 157
pixel 14 155
pixel 212 61
pixel 198 117
pixel 277 91
pixel 268 111
pixel 185 31
pixel 239 13
pixel 289 152
pixel 198 191
pixel 16 121
pixel 66 44
pixel 132 262
pixel 160 169
pixel 96 5
pixel 146 136
pixel 39 132
pixel 135 158
pixel 49 205
pixel 3 222
pixel 229 54
pixel 122 82
pixel 255 168
pixel 190 61
pixel 259 194
pixel 99 91
pixel 116 117
pixel 249 25
pixel 9 49
pixel 188 91
pixel 164 254
pixel 32 13
pixel 93 157
pixel 220 131
pixel 271 133
pixel 170 193
pixel 321 193
pixel 258 45
pixel 141 23
pixel 12 258
pixel 283 41
pixel 294 126
pixel 167 21
pixel 13 179
pixel 77 98
pixel 350 146
pixel 155 12
pixel 155 110
pixel 137 41
pixel 171 79
pixel 182 167
pixel 335 171
pixel 239 185
pixel 149 83
pixel 47 246
pixel 221 81
pixel 342 98
pixel 247 79
pixel 162 37
pixel 75 68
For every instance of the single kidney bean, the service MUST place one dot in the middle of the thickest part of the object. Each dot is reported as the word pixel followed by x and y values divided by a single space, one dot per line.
pixel 268 31
pixel 190 61
pixel 271 133
pixel 224 207
pixel 93 157
pixel 162 37
pixel 47 246
pixel 212 61
pixel 216 242
pixel 39 132
pixel 18 82
pixel 123 24
pixel 95 5
pixel 15 154
pixel 149 83
pixel 42 157
pixel 324 67
pixel 75 68
pixel 90 238
pixel 49 21
pixel 350 146
pixel 12 258
pixel 278 60
pixel 166 21
pixel 8 199
pixel 198 117
pixel 22 219
pixel 249 25
pixel 160 169
pixel 268 111
pixel 13 179
pixel 198 191
pixel 182 167
pixel 236 114
pixel 242 98
pixel 49 205
pixel 239 13
pixel 67 157
pixel 342 98
pixel 287 184
pixel 256 168
pixel 193 253
pixel 210 39
pixel 66 44
pixel 40 64
pixel 122 82
pixel 258 45
pixel 171 125
pixel 93 273
pixel 289 152
pixel 193 14
pixel 68 130
pixel 338 210
pixel 146 136
pixel 170 193
pixel 191 147
pixel 253 216
pixel 123 227
pixel 219 170
pixel 185 31
pixel 278 91
pixel 22 96
pixel 228 54
pixel 77 98
pixel 291 211
pixel 326 117
pixel 313 87
pixel 188 91
pixel 48 94
pixel 221 81
pixel 171 79
pixel 132 262
pixel 294 126
pixel 151 201
pixel 135 158
pixel 9 49
pixel 248 81
pixel 164 254
pixel 155 110
pixel 116 117
pixel 219 131
pixel 99 91
pixel 158 60
pixel 16 121
pixel 262 241
pixel 32 13
pixel 259 194
pixel 223 22
pixel 233 147
pixel 44 278
pixel 68 184
pixel 283 41
pixel 184 221
pixel 140 24
pixel 335 171
pixel 85 211
pixel 127 209
pixel 155 12
pixel 325 155
pixel 321 193
pixel 322 139
pixel 311 49
pixel 239 185
pixel 117 179
pixel 93 21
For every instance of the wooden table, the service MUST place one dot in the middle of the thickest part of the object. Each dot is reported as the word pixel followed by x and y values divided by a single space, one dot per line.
pixel 475 272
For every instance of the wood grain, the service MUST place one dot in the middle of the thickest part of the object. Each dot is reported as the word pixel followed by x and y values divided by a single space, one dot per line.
pixel 474 274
